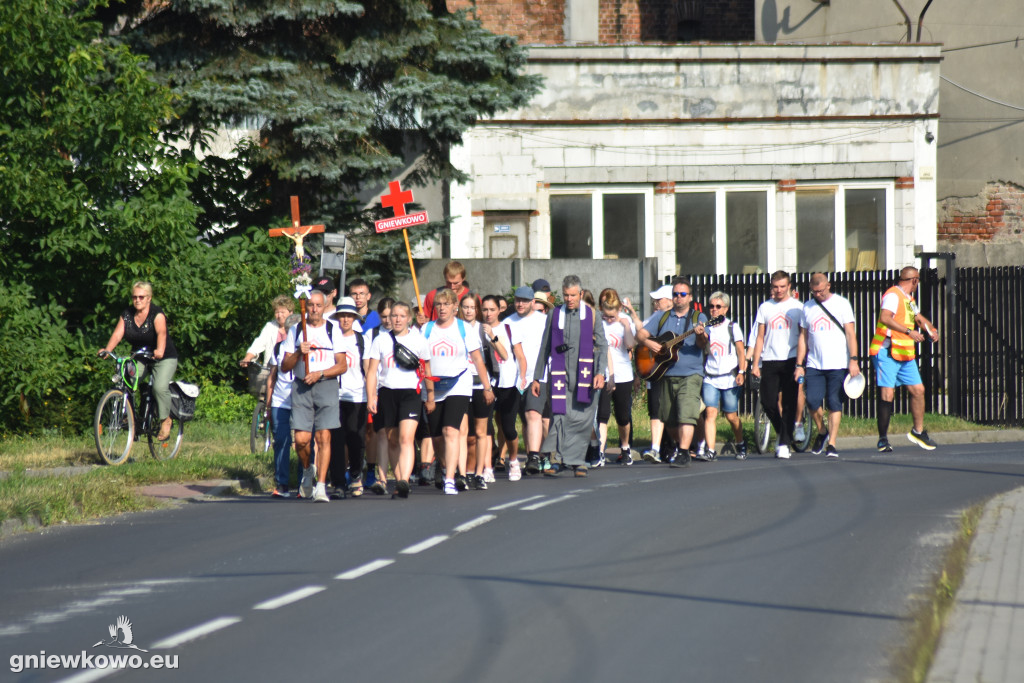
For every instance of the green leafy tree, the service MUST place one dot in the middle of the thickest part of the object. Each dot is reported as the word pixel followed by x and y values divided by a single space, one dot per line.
pixel 340 92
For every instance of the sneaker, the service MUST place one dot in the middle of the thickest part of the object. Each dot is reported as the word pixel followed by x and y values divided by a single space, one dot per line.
pixel 819 443
pixel 427 474
pixel 402 488
pixel 550 468
pixel 922 440
pixel 782 451
pixel 579 471
pixel 883 445
pixel 306 484
pixel 338 494
pixel 320 494
pixel 600 462
pixel 652 456
pixel 831 452
pixel 488 475
pixel 461 483
pixel 545 464
pixel 798 433
pixel 704 455
pixel 710 455
pixel 741 451
pixel 701 447
pixel 481 482
pixel 533 464
pixel 280 492
pixel 625 457
pixel 371 476
pixel 449 488
pixel 514 472
pixel 679 458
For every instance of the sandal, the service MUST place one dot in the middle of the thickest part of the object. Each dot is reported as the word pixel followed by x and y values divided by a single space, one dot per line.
pixel 379 488
pixel 356 488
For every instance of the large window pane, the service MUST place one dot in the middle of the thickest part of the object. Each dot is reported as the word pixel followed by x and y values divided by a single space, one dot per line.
pixel 746 232
pixel 571 221
pixel 623 225
pixel 815 231
pixel 695 232
pixel 865 229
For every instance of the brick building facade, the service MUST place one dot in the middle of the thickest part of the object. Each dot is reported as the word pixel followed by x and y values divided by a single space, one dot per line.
pixel 544 22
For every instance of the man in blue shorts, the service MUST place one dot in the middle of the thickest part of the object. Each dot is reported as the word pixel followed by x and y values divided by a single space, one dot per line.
pixel 826 351
pixel 893 347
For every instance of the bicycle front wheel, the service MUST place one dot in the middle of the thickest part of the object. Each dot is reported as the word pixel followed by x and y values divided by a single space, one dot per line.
pixel 114 427
pixel 762 426
pixel 165 450
pixel 259 429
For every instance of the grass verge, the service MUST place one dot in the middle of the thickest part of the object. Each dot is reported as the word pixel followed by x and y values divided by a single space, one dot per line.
pixel 210 451
pixel 929 617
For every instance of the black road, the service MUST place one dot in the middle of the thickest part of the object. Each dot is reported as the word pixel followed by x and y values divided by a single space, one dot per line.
pixel 761 570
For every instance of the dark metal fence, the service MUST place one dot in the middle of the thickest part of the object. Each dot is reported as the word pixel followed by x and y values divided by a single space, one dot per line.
pixel 989 326
pixel 975 371
pixel 864 290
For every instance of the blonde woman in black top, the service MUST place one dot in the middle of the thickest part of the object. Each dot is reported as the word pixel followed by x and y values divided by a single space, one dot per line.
pixel 144 325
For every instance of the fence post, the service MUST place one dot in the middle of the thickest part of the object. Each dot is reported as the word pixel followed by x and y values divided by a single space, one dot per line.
pixel 952 339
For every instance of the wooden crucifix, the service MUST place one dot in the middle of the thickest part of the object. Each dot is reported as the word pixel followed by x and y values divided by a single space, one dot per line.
pixel 296 233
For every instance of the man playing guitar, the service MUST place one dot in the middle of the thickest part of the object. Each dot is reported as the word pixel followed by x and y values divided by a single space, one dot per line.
pixel 680 386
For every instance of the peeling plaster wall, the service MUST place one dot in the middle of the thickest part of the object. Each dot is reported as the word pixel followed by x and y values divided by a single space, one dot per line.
pixel 723 114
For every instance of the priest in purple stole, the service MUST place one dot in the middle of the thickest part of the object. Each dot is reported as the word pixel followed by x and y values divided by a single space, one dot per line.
pixel 571 365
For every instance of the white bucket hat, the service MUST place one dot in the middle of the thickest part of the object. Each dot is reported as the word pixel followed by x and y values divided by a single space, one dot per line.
pixel 854 385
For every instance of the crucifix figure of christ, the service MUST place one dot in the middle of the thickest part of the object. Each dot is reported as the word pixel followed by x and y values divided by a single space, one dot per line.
pixel 296 233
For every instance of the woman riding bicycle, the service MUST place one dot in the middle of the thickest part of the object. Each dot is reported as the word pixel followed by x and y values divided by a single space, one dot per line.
pixel 144 325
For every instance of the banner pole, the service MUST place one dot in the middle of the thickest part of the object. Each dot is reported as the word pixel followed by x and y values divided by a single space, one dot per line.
pixel 412 269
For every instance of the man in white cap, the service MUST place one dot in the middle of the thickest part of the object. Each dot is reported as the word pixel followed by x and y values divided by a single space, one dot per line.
pixel 825 352
pixel 662 302
pixel 535 412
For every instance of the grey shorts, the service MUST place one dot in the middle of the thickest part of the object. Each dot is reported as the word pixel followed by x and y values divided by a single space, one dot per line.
pixel 540 404
pixel 315 405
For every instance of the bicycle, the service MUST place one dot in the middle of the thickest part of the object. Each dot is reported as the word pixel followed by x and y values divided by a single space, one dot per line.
pixel 763 426
pixel 116 418
pixel 260 432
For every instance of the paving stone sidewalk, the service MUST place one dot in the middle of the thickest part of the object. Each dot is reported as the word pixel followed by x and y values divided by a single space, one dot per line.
pixel 983 641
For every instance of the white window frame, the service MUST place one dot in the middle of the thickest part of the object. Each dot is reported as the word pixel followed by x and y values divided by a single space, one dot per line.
pixel 771 238
pixel 597 193
pixel 839 196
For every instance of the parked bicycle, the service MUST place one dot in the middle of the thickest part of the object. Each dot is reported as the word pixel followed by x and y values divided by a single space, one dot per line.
pixel 260 432
pixel 120 421
pixel 763 426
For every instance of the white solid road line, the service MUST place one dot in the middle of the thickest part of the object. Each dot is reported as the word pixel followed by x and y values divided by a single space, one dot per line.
pixel 545 503
pixel 474 523
pixel 195 632
pixel 424 545
pixel 514 503
pixel 363 570
pixel 289 598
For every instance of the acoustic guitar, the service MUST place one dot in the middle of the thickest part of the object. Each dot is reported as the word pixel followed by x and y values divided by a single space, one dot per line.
pixel 652 366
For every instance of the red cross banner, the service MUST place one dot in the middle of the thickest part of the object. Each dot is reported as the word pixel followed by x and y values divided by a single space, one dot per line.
pixel 396 199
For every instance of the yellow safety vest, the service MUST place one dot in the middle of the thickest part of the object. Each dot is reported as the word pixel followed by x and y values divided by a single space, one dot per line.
pixel 901 345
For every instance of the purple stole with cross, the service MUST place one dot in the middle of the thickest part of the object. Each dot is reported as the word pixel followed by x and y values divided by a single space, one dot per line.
pixel 584 366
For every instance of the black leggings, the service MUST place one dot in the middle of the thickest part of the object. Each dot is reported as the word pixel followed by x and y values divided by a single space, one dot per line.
pixel 506 410
pixel 622 397
pixel 350 439
pixel 777 375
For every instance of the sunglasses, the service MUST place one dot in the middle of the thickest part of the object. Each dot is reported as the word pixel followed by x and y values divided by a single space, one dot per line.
pixel 139 296
pixel 681 295
pixel 715 306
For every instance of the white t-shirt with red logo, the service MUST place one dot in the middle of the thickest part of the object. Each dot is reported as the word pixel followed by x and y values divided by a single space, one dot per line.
pixel 826 342
pixel 615 333
pixel 391 375
pixel 721 359
pixel 352 387
pixel 449 355
pixel 781 322
pixel 321 353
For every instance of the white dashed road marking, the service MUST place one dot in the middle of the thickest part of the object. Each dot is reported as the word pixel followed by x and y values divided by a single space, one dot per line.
pixel 514 503
pixel 195 632
pixel 545 503
pixel 363 570
pixel 474 523
pixel 424 545
pixel 289 598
